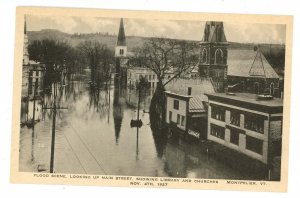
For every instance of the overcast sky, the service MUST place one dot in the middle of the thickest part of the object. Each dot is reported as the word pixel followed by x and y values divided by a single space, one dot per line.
pixel 191 30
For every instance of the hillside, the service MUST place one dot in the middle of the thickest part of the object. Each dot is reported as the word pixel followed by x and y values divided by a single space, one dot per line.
pixel 274 53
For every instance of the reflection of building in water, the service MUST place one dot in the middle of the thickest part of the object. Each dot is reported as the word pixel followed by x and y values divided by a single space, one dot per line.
pixel 175 161
pixel 246 124
pixel 118 110
pixel 145 99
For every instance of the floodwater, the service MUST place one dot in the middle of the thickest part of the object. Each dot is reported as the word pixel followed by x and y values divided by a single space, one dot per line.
pixel 93 136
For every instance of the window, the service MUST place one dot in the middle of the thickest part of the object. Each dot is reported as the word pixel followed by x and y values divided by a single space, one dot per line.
pixel 234 136
pixel 182 120
pixel 272 89
pixel 217 131
pixel 170 116
pixel 149 77
pixel 153 77
pixel 218 113
pixel 204 55
pixel 254 144
pixel 254 123
pixel 235 118
pixel 121 51
pixel 176 104
pixel 218 56
pixel 178 119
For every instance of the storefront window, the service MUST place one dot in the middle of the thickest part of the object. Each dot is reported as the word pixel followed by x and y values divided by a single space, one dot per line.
pixel 254 123
pixel 218 113
pixel 254 144
pixel 234 136
pixel 235 118
pixel 217 131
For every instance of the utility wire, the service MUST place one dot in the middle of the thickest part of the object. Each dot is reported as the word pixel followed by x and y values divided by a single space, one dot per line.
pixel 87 148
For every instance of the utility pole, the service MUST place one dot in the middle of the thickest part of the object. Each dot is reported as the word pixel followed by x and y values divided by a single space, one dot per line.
pixel 34 98
pixel 55 108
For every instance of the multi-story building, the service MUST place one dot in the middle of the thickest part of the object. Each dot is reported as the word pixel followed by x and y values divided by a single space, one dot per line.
pixel 136 73
pixel 246 123
pixel 186 113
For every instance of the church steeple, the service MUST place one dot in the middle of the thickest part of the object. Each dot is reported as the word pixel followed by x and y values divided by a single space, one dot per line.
pixel 121 36
pixel 25 28
pixel 25 45
pixel 214 32
pixel 213 54
pixel 121 48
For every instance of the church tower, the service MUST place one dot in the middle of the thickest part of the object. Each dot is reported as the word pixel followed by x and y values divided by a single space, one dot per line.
pixel 121 48
pixel 25 46
pixel 213 55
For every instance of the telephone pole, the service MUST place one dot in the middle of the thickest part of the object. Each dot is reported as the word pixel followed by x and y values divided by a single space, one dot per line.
pixel 55 108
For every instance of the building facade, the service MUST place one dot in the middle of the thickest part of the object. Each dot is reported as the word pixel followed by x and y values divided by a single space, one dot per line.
pixel 245 124
pixel 213 55
pixel 186 114
pixel 136 73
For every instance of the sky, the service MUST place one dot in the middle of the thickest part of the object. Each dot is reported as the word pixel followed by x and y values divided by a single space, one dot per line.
pixel 189 30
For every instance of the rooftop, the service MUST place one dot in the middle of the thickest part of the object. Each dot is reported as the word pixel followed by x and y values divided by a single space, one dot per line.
pixel 249 63
pixel 179 88
pixel 248 98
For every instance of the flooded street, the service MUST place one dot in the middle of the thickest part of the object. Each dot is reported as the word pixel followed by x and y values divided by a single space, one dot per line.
pixel 93 136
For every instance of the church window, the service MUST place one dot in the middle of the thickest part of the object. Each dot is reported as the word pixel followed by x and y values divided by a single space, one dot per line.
pixel 204 55
pixel 218 56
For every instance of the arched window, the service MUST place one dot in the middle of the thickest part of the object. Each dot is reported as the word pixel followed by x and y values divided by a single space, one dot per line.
pixel 272 89
pixel 204 55
pixel 219 56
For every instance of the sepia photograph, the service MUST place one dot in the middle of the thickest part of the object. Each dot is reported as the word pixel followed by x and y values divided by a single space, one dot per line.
pixel 143 99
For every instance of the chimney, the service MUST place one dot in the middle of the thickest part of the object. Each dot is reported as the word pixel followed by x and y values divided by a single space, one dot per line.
pixel 189 91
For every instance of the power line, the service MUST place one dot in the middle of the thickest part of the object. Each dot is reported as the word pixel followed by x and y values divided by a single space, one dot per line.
pixel 75 153
pixel 87 148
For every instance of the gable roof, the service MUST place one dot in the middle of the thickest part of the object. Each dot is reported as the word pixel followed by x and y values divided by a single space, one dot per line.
pixel 249 63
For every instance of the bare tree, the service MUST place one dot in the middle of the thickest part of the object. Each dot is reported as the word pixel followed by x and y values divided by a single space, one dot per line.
pixel 98 56
pixel 163 56
pixel 166 55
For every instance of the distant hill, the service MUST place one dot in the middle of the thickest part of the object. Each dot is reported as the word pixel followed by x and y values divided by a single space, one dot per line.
pixel 274 53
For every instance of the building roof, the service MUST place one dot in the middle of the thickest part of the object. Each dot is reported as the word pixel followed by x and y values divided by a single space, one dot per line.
pixel 121 36
pixel 196 103
pixel 248 100
pixel 214 32
pixel 249 63
pixel 199 87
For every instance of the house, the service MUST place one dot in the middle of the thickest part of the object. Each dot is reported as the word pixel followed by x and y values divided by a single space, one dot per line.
pixel 249 71
pixel 35 77
pixel 186 111
pixel 246 123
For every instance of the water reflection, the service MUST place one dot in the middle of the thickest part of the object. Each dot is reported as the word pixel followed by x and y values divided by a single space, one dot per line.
pixel 94 136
